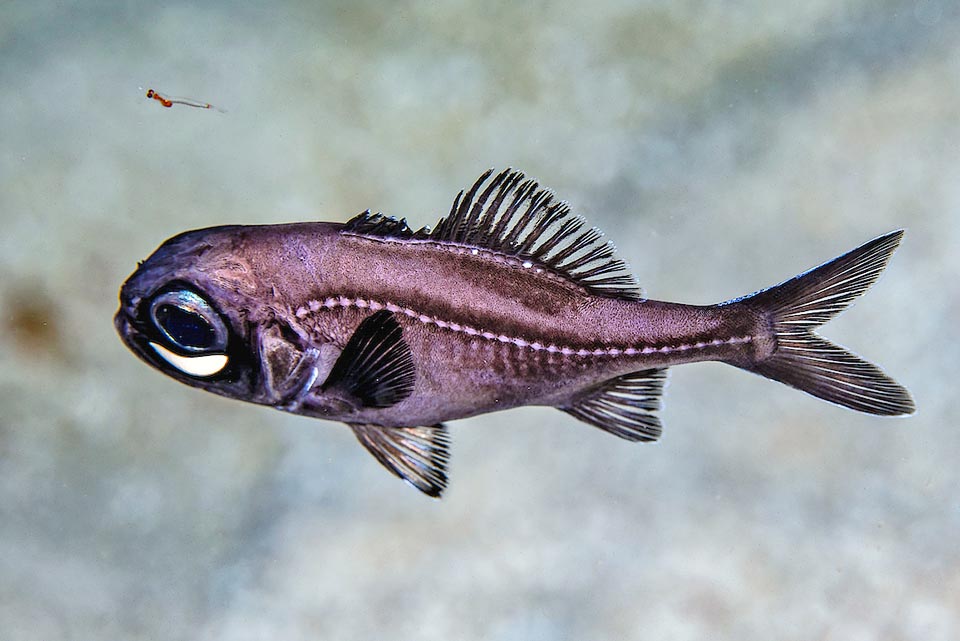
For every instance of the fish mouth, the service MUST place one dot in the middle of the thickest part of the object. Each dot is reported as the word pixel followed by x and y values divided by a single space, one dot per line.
pixel 135 339
pixel 131 336
pixel 121 322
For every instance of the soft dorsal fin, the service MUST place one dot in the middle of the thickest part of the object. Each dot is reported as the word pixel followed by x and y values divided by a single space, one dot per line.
pixel 375 368
pixel 625 406
pixel 418 455
pixel 510 214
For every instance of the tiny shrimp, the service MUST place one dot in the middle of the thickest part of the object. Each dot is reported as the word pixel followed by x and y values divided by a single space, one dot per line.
pixel 169 102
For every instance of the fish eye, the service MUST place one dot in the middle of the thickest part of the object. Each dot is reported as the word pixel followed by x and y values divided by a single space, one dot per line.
pixel 188 322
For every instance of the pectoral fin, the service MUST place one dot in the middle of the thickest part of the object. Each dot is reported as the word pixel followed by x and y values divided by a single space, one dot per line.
pixel 625 406
pixel 376 367
pixel 418 455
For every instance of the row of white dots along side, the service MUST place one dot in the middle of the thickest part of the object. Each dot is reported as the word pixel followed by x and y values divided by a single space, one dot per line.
pixel 361 303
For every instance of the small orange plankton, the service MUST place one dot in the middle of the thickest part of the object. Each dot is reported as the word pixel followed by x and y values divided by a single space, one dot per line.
pixel 169 102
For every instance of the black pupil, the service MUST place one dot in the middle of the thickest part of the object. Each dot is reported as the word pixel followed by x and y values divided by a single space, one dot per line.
pixel 185 328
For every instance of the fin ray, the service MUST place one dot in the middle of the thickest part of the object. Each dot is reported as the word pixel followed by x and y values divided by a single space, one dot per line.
pixel 418 455
pixel 816 296
pixel 376 367
pixel 805 360
pixel 625 406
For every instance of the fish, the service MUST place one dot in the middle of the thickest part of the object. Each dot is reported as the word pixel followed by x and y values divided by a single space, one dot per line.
pixel 511 299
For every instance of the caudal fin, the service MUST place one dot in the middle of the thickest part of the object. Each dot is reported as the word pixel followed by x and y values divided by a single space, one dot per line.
pixel 809 362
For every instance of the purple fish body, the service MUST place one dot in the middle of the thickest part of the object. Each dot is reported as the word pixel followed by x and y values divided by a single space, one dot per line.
pixel 509 301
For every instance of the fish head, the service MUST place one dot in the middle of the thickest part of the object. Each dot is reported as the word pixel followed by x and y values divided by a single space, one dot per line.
pixel 183 311
pixel 204 309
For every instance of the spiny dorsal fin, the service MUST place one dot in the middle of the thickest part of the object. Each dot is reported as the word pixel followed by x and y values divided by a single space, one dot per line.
pixel 375 368
pixel 625 406
pixel 418 455
pixel 369 224
pixel 509 214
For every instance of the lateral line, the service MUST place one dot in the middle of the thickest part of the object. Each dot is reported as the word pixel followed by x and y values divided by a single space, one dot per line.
pixel 363 303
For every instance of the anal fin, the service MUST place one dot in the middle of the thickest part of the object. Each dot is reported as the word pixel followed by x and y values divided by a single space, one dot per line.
pixel 418 455
pixel 625 406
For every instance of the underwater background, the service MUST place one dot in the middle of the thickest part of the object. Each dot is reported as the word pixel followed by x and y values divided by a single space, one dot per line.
pixel 723 146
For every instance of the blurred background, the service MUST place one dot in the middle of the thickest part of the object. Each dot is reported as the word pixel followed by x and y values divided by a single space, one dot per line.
pixel 724 146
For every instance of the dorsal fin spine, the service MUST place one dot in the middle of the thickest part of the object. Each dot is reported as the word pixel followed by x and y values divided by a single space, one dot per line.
pixel 464 211
pixel 564 229
pixel 580 242
pixel 472 231
pixel 508 186
pixel 481 233
pixel 554 213
pixel 522 193
pixel 600 252
pixel 537 202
